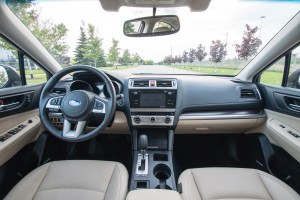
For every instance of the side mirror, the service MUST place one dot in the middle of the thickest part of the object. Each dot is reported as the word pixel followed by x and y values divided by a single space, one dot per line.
pixel 9 77
pixel 294 79
pixel 152 26
pixel 3 77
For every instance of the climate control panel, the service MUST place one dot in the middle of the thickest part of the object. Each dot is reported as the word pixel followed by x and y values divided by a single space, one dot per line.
pixel 152 120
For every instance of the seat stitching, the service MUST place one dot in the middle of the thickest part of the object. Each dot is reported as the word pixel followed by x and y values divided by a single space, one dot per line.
pixel 264 184
pixel 71 189
pixel 196 184
pixel 283 186
pixel 119 181
pixel 110 180
pixel 42 180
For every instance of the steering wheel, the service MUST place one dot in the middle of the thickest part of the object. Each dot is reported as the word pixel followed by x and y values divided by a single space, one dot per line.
pixel 77 107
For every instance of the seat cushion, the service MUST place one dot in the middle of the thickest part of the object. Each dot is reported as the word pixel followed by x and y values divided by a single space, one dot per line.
pixel 233 183
pixel 74 180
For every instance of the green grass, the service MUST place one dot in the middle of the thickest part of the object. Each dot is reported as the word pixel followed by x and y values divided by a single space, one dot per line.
pixel 210 70
pixel 268 77
pixel 113 68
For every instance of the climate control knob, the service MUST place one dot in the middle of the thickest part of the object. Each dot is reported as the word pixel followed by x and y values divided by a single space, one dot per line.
pixel 137 120
pixel 152 119
pixel 167 120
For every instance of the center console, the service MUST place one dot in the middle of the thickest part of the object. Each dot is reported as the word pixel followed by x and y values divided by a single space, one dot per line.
pixel 152 112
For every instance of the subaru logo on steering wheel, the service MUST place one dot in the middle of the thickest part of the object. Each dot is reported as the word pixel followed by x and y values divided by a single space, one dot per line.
pixel 74 103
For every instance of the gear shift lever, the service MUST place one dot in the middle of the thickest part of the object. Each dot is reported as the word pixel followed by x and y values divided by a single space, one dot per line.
pixel 143 143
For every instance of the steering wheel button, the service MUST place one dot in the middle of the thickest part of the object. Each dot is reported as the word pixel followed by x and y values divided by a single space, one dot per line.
pixel 53 102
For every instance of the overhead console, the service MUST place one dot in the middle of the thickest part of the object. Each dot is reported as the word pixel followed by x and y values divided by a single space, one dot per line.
pixel 152 101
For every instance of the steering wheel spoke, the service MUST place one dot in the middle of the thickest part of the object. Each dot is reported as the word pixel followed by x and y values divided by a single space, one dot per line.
pixel 54 103
pixel 69 133
pixel 100 105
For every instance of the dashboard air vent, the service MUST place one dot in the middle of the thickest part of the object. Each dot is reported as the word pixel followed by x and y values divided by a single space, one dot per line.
pixel 141 83
pixel 248 94
pixel 165 83
pixel 59 91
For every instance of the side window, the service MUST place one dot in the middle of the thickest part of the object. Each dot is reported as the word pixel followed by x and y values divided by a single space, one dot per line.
pixel 294 73
pixel 274 74
pixel 34 74
pixel 10 68
pixel 285 72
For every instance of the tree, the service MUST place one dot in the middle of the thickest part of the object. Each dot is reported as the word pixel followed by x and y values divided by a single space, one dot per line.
pixel 249 45
pixel 79 57
pixel 93 47
pixel 200 53
pixel 126 56
pixel 52 36
pixel 185 56
pixel 217 51
pixel 136 58
pixel 192 56
pixel 168 60
pixel 113 54
pixel 129 27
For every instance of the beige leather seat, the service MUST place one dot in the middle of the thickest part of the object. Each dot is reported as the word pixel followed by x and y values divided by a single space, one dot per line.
pixel 233 183
pixel 73 180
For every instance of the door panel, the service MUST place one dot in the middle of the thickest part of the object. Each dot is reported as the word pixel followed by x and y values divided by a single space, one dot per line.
pixel 19 119
pixel 16 131
pixel 283 124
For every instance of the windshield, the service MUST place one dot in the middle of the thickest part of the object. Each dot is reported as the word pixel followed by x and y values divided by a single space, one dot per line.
pixel 218 41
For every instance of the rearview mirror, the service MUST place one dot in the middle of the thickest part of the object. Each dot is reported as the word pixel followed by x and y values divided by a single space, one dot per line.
pixel 152 26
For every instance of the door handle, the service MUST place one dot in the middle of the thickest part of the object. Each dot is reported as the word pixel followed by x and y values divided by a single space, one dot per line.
pixel 8 106
pixel 295 107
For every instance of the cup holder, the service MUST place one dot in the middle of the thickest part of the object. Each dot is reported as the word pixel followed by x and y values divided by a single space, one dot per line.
pixel 162 172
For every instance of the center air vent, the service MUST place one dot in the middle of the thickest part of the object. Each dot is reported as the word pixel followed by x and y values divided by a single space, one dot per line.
pixel 164 83
pixel 249 94
pixel 141 83
pixel 59 91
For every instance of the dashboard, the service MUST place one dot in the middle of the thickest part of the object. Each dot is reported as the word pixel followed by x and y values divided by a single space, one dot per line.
pixel 183 103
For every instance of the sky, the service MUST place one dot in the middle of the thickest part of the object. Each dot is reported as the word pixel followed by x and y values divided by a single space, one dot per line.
pixel 221 19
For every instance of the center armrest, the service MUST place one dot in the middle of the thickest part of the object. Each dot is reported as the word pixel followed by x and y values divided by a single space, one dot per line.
pixel 150 194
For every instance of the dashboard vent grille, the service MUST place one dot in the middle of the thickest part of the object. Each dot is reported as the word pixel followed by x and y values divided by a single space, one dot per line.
pixel 59 91
pixel 141 83
pixel 165 83
pixel 249 94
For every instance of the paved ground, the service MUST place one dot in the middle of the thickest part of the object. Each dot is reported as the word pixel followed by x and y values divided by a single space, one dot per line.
pixel 156 69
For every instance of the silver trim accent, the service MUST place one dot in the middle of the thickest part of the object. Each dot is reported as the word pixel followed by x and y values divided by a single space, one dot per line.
pixel 139 162
pixel 98 110
pixel 255 89
pixel 131 83
pixel 49 106
pixel 68 133
pixel 212 117
pixel 145 120
pixel 7 105
pixel 152 110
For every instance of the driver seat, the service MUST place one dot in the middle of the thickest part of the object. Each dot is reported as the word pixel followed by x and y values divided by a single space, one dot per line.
pixel 73 179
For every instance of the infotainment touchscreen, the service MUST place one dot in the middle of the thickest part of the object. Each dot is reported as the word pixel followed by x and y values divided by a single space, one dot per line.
pixel 152 100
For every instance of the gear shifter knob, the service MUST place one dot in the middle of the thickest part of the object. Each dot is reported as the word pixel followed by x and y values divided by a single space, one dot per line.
pixel 143 143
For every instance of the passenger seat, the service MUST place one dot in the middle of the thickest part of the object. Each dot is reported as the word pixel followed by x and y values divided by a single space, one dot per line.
pixel 233 183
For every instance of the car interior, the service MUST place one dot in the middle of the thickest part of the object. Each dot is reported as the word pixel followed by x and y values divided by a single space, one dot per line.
pixel 90 133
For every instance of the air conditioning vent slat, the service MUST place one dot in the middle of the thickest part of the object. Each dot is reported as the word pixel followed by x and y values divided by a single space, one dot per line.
pixel 248 94
pixel 141 83
pixel 59 91
pixel 165 83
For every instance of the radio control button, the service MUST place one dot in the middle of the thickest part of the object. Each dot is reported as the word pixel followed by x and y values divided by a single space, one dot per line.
pixel 137 120
pixel 167 120
pixel 152 119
